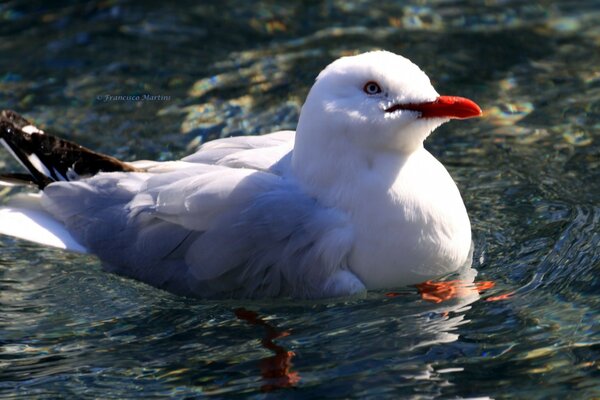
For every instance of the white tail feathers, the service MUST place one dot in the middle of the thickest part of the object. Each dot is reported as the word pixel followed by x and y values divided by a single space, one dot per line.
pixel 25 219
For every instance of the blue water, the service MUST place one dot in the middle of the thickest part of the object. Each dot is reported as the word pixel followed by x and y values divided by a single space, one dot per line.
pixel 529 171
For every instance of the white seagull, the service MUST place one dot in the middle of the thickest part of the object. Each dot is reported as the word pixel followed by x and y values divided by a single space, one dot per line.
pixel 349 202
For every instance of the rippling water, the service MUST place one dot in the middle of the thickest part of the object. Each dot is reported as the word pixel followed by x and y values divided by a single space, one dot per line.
pixel 529 172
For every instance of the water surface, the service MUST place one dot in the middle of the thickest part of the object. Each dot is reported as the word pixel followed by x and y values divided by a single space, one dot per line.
pixel 529 171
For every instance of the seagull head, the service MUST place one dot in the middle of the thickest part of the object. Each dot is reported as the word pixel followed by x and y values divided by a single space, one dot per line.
pixel 377 101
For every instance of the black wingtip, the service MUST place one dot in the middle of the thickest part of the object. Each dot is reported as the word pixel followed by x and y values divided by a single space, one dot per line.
pixel 13 118
pixel 49 158
pixel 16 179
pixel 12 137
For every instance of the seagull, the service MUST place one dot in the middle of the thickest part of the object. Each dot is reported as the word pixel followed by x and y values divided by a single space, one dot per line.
pixel 351 201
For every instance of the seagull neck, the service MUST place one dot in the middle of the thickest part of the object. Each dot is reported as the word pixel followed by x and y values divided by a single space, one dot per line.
pixel 335 172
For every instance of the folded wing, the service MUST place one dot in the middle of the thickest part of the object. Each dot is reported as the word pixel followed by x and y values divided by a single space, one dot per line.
pixel 223 222
pixel 207 231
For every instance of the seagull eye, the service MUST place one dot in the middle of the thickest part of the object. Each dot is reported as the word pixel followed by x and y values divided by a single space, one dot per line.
pixel 371 88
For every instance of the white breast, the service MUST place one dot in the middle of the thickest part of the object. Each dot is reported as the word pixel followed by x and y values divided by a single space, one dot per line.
pixel 416 230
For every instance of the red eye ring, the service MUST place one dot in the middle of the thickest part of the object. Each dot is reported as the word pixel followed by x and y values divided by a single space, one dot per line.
pixel 371 88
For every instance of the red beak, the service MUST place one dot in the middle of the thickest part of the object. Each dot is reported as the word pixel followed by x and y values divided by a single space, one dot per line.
pixel 442 107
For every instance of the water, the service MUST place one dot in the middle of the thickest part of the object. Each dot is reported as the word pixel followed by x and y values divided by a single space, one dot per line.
pixel 529 173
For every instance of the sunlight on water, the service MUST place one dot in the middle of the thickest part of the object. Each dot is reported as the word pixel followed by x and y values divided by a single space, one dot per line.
pixel 156 80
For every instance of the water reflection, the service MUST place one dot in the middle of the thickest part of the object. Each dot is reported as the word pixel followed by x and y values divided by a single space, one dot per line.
pixel 402 339
pixel 276 370
pixel 529 172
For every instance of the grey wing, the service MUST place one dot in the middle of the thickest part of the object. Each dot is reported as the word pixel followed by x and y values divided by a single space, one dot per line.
pixel 262 153
pixel 216 232
pixel 256 152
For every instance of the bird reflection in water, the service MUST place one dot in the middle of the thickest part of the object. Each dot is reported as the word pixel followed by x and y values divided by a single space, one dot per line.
pixel 276 370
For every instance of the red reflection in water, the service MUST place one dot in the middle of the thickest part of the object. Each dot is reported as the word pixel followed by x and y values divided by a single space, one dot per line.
pixel 275 370
pixel 438 292
pixel 441 291
pixel 500 297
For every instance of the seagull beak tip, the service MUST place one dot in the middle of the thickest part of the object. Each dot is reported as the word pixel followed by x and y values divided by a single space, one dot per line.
pixel 460 107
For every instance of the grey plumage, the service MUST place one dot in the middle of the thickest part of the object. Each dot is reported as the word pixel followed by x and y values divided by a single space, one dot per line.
pixel 265 238
pixel 222 222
